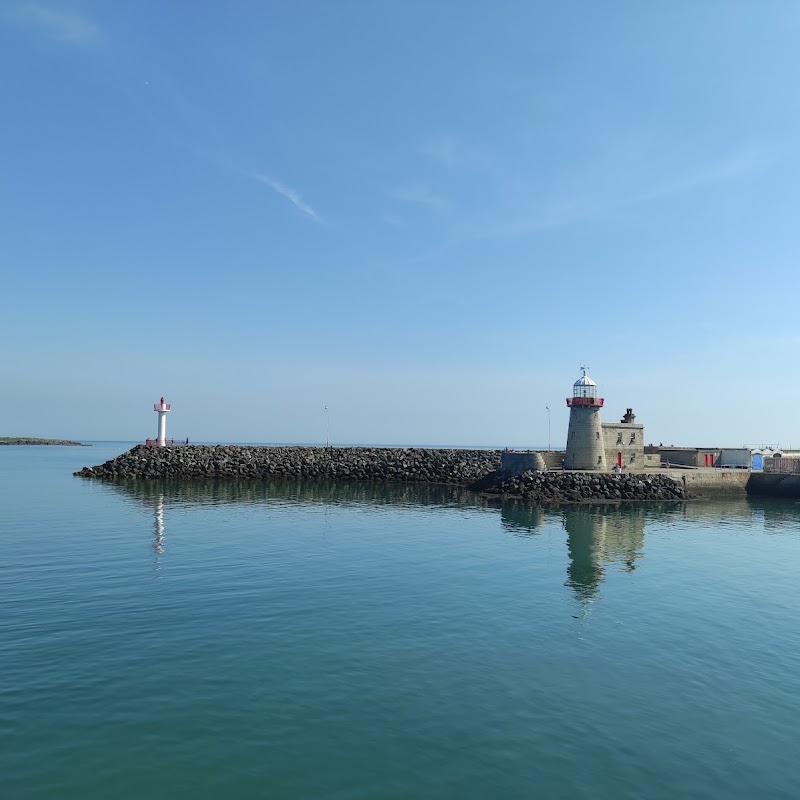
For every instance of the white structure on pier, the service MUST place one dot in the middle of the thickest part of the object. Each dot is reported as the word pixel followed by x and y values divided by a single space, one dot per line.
pixel 162 409
pixel 585 444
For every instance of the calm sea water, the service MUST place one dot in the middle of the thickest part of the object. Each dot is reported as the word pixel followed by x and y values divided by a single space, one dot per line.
pixel 346 641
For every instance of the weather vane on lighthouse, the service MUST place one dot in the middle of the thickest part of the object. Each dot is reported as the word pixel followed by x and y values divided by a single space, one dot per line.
pixel 162 409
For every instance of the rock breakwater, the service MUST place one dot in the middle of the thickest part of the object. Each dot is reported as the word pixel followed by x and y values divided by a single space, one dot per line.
pixel 238 462
pixel 478 470
pixel 580 487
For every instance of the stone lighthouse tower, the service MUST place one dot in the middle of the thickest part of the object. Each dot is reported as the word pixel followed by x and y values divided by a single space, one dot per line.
pixel 585 446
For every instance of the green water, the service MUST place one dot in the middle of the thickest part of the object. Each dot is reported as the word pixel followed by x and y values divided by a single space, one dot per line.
pixel 348 641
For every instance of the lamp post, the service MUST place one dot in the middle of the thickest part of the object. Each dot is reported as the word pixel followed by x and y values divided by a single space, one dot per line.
pixel 548 428
pixel 327 428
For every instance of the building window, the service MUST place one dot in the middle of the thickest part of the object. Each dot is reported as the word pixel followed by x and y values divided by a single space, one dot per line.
pixel 597 435
pixel 633 457
pixel 572 434
pixel 619 438
pixel 633 438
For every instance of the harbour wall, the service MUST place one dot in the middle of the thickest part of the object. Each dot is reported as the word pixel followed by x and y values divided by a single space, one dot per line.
pixel 543 488
pixel 586 486
pixel 701 482
pixel 710 481
pixel 479 470
pixel 774 484
pixel 516 462
pixel 240 462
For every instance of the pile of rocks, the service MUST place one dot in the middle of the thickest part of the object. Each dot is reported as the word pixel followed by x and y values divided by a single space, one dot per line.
pixel 477 469
pixel 577 487
pixel 409 464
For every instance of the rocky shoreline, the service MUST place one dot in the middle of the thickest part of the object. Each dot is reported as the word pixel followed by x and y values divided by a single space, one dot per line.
pixel 544 488
pixel 477 470
pixel 395 464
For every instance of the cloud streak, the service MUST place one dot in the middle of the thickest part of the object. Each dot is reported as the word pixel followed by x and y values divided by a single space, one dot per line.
pixel 601 200
pixel 290 194
pixel 597 197
pixel 441 149
pixel 56 24
pixel 745 162
pixel 420 194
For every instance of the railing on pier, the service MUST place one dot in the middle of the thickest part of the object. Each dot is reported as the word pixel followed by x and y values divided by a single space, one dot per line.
pixel 167 442
pixel 782 464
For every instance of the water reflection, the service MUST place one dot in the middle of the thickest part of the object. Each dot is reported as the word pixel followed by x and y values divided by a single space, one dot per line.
pixel 156 502
pixel 163 496
pixel 158 527
pixel 522 518
pixel 597 536
pixel 330 492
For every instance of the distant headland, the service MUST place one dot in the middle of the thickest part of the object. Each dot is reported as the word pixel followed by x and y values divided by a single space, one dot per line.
pixel 30 440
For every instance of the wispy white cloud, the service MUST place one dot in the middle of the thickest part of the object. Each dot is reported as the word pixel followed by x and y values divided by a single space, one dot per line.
pixel 546 217
pixel 441 149
pixel 613 190
pixel 57 24
pixel 452 152
pixel 421 194
pixel 601 197
pixel 748 161
pixel 290 194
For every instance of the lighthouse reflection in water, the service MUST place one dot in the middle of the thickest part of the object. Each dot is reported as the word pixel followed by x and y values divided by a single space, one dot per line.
pixel 156 502
pixel 594 539
pixel 597 536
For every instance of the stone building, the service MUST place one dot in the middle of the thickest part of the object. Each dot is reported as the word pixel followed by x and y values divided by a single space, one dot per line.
pixel 624 442
pixel 685 456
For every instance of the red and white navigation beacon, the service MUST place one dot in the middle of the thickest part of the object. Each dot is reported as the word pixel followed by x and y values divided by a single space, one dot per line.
pixel 162 409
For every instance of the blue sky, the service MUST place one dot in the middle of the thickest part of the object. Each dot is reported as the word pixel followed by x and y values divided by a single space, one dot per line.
pixel 425 216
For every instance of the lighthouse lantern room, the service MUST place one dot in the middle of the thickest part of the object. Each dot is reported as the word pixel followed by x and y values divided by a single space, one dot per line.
pixel 162 409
